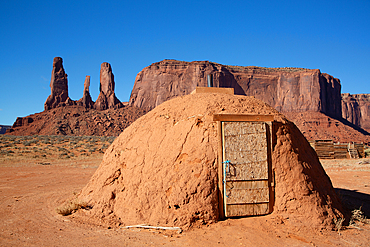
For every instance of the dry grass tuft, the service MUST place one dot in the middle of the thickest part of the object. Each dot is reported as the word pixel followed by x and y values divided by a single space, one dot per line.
pixel 71 207
pixel 338 224
pixel 357 216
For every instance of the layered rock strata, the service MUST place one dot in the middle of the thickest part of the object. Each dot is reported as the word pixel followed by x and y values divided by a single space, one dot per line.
pixel 285 89
pixel 356 109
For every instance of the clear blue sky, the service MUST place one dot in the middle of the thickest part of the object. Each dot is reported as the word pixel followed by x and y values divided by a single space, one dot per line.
pixel 333 36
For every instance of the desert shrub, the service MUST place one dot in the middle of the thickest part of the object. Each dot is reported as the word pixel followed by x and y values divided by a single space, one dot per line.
pixel 88 146
pixel 357 215
pixel 26 143
pixel 46 142
pixel 6 144
pixel 338 224
pixel 71 207
pixel 60 149
pixel 29 142
pixel 111 139
pixel 6 152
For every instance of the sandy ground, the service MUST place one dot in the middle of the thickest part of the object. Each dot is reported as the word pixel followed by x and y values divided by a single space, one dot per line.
pixel 32 189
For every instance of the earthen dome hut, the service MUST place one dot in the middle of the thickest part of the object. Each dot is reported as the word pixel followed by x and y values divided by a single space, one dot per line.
pixel 164 168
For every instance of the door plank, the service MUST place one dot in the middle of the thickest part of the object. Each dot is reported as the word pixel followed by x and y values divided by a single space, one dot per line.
pixel 247 192
pixel 234 210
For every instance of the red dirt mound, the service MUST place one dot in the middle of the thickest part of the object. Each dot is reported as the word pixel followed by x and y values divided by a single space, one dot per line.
pixel 162 169
pixel 76 121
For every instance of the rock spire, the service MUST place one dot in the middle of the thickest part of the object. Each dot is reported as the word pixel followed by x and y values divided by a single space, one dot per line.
pixel 58 85
pixel 107 98
pixel 86 100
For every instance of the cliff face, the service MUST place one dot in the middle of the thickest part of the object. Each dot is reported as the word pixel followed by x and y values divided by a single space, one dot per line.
pixel 356 109
pixel 285 89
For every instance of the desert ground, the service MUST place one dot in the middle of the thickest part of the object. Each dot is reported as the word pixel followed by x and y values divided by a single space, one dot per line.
pixel 38 174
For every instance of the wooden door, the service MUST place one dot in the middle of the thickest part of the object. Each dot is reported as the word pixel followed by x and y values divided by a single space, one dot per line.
pixel 245 168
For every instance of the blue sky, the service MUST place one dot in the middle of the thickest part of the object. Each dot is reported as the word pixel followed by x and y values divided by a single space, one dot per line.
pixel 333 36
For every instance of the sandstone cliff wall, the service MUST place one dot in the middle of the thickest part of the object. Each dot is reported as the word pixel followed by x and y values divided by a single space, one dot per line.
pixel 356 109
pixel 285 89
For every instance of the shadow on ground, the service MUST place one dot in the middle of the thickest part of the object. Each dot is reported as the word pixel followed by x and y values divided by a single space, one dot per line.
pixel 352 199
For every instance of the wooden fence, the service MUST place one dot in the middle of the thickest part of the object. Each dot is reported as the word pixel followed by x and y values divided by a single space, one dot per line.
pixel 327 149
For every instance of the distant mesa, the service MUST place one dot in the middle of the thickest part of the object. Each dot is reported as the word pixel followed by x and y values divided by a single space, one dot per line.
pixel 3 128
pixel 59 89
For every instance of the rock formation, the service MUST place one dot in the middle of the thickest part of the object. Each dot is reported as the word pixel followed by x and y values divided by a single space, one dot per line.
pixel 107 98
pixel 285 89
pixel 59 89
pixel 356 109
pixel 86 100
pixel 58 85
pixel 163 169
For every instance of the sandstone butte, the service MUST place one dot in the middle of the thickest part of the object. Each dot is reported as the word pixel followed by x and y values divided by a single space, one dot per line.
pixel 162 169
pixel 308 97
pixel 285 89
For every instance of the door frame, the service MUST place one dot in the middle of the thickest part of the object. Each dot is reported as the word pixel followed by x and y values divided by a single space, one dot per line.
pixel 219 118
